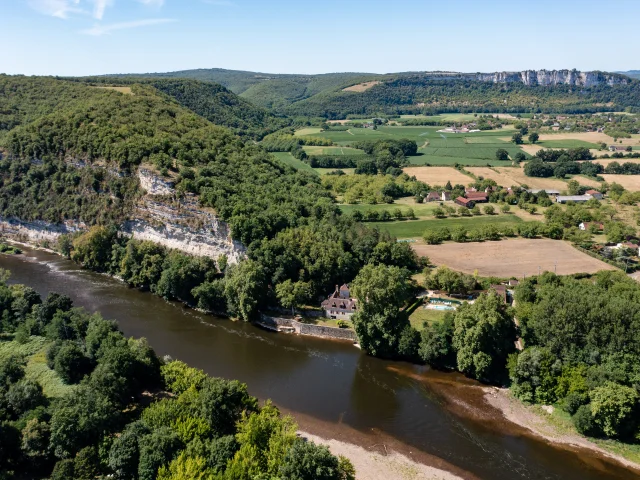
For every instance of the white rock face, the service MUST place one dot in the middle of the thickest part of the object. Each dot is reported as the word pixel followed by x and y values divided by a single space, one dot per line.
pixel 202 242
pixel 553 77
pixel 153 184
pixel 37 231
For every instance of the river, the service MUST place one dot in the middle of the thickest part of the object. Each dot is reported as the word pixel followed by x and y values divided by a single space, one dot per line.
pixel 327 385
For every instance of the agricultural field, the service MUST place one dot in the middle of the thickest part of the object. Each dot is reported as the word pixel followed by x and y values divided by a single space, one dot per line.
pixel 416 228
pixel 457 117
pixel 435 148
pixel 125 90
pixel 290 160
pixel 438 175
pixel 308 131
pixel 587 182
pixel 606 161
pixel 519 178
pixel 501 178
pixel 313 150
pixel 630 182
pixel 512 258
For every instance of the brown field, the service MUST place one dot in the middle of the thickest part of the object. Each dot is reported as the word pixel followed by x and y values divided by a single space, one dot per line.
pixel 630 182
pixel 593 137
pixel 361 87
pixel 125 90
pixel 502 179
pixel 438 175
pixel 509 176
pixel 586 181
pixel 516 257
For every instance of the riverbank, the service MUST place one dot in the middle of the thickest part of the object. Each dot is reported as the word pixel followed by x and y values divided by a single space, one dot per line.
pixel 540 422
pixel 375 466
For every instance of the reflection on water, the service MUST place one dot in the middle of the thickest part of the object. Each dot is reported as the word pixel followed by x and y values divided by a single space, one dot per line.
pixel 329 381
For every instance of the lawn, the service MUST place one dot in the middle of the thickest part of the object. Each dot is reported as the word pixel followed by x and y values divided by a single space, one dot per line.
pixel 421 315
pixel 420 209
pixel 416 228
pixel 34 352
pixel 290 160
pixel 308 131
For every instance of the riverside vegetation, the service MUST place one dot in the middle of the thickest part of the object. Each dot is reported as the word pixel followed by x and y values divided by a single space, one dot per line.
pixel 71 153
pixel 78 400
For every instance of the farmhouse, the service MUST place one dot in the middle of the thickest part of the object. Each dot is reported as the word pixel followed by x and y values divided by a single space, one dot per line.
pixel 573 198
pixel 339 304
pixel 617 148
pixel 446 196
pixel 594 194
pixel 549 191
pixel 432 197
pixel 589 225
pixel 630 246
pixel 477 197
pixel 501 290
pixel 465 202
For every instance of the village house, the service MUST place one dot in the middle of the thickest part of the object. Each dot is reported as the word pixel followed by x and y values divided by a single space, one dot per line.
pixel 630 246
pixel 588 225
pixel 595 194
pixel 501 290
pixel 477 197
pixel 339 305
pixel 549 191
pixel 573 198
pixel 470 190
pixel 513 282
pixel 446 196
pixel 432 197
pixel 465 202
pixel 617 148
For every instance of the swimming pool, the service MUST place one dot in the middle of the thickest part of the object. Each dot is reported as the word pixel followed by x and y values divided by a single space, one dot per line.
pixel 441 307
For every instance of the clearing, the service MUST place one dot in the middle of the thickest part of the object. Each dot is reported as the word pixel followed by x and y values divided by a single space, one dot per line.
pixel 512 258
pixel 362 87
pixel 630 182
pixel 125 90
pixel 438 175
pixel 307 131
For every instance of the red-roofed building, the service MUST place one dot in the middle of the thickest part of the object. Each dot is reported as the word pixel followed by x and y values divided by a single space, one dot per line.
pixel 432 197
pixel 595 194
pixel 477 197
pixel 465 202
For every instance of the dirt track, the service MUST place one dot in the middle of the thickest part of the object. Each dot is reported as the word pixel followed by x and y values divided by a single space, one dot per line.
pixel 516 257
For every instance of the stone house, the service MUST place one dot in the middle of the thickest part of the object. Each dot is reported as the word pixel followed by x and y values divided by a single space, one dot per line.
pixel 339 305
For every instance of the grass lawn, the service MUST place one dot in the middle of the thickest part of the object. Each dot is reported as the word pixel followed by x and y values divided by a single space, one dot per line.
pixel 34 352
pixel 421 315
pixel 308 131
pixel 324 171
pixel 416 228
pixel 290 160
pixel 420 209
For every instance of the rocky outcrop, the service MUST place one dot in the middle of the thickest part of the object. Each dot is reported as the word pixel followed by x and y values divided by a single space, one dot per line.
pixel 554 77
pixel 153 184
pixel 38 232
pixel 211 241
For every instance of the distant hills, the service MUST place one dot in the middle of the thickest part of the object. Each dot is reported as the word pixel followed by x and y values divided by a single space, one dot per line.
pixel 336 95
pixel 631 73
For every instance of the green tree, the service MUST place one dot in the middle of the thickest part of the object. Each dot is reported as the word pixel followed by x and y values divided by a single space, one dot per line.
pixel 157 449
pixel 533 137
pixel 517 138
pixel 489 209
pixel 573 187
pixel 502 154
pixel 308 461
pixel 614 408
pixel 245 288
pixel 436 347
pixel 71 363
pixel 186 468
pixel 293 294
pixel 484 336
pixel 380 291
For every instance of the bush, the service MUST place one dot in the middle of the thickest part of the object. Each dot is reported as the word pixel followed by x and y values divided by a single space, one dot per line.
pixel 583 421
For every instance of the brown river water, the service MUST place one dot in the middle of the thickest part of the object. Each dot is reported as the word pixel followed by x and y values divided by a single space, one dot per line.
pixel 331 388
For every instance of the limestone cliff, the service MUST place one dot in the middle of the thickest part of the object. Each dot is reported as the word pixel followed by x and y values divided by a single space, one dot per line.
pixel 552 77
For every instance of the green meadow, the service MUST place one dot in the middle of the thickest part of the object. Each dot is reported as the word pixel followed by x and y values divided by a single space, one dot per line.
pixel 567 143
pixel 419 209
pixel 416 228
pixel 434 148
pixel 313 150
pixel 290 160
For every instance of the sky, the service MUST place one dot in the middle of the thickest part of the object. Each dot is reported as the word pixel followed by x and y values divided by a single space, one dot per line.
pixel 90 37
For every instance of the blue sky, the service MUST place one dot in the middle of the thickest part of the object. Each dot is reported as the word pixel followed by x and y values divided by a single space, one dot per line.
pixel 85 37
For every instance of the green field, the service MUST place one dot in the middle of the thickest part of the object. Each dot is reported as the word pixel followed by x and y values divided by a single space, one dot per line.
pixel 416 228
pixel 566 144
pixel 290 160
pixel 308 131
pixel 421 315
pixel 435 148
pixel 420 209
pixel 313 150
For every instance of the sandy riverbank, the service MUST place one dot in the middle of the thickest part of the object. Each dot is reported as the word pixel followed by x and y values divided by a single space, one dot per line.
pixel 371 465
pixel 525 416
